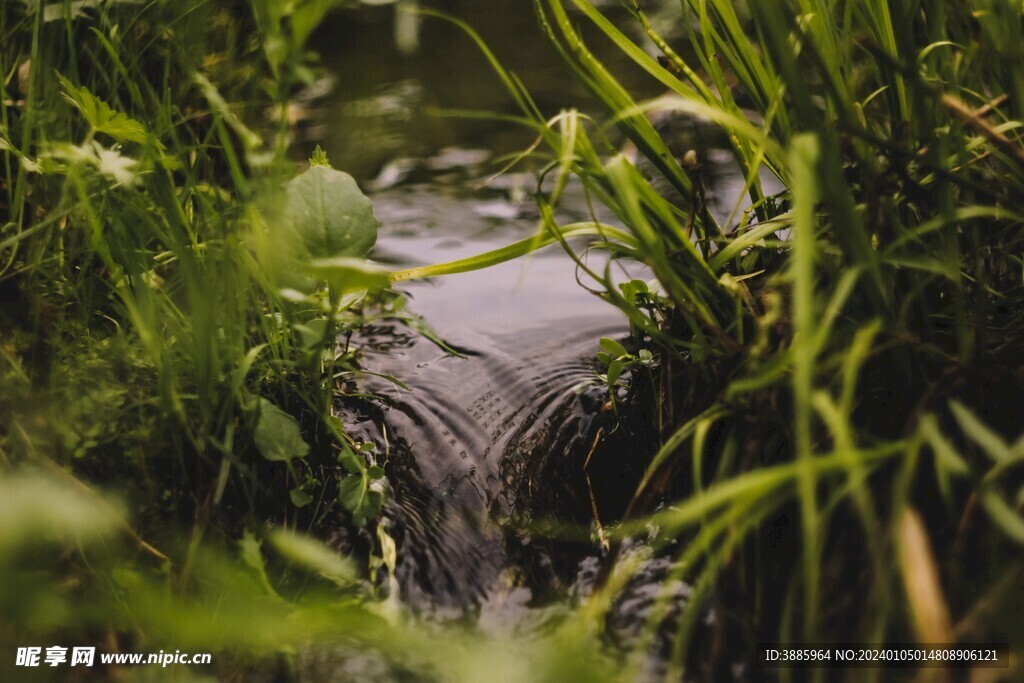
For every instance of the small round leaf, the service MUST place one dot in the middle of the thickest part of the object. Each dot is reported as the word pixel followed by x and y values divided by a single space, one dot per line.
pixel 332 216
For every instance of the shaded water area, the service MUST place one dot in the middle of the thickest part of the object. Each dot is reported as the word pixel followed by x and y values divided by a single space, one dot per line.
pixel 475 435
pixel 490 507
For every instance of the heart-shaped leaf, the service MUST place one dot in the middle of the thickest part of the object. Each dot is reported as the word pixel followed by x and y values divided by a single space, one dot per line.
pixel 331 215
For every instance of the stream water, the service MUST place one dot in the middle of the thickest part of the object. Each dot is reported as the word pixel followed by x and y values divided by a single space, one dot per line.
pixel 477 441
pixel 472 432
pixel 522 389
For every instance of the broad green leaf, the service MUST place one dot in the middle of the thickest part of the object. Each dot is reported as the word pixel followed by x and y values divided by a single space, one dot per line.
pixel 361 501
pixel 313 555
pixel 332 216
pixel 350 461
pixel 312 333
pixel 352 492
pixel 277 434
pixel 371 508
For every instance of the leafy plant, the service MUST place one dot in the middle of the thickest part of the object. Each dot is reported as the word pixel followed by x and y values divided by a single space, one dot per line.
pixel 360 493
pixel 277 434
pixel 810 341
pixel 331 215
pixel 617 361
pixel 149 217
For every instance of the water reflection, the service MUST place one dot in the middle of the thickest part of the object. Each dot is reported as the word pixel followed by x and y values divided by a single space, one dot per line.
pixel 464 445
pixel 395 69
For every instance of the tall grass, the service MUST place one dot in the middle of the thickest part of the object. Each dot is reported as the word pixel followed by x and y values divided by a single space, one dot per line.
pixel 174 305
pixel 837 362
pixel 167 287
pixel 164 334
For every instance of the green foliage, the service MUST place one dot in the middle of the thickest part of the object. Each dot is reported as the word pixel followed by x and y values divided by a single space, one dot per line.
pixel 360 493
pixel 101 117
pixel 268 604
pixel 616 360
pixel 277 434
pixel 148 346
pixel 38 510
pixel 314 556
pixel 810 341
pixel 285 26
pixel 333 218
pixel 809 346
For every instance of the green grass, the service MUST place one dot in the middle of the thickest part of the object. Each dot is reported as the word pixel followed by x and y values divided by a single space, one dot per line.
pixel 837 366
pixel 841 353
pixel 172 286
pixel 171 293
pixel 174 296
pixel 813 347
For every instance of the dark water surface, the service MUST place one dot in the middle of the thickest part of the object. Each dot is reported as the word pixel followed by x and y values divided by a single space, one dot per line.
pixel 473 444
pixel 462 439
pixel 387 89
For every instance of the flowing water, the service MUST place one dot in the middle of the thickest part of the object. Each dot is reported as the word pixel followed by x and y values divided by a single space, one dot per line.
pixel 469 441
pixel 485 448
pixel 473 431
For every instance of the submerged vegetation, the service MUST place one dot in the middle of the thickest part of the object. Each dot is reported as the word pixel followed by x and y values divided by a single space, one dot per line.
pixel 834 366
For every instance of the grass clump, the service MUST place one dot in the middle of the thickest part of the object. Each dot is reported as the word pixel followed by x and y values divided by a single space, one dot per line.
pixel 171 293
pixel 170 301
pixel 838 362
pixel 836 365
